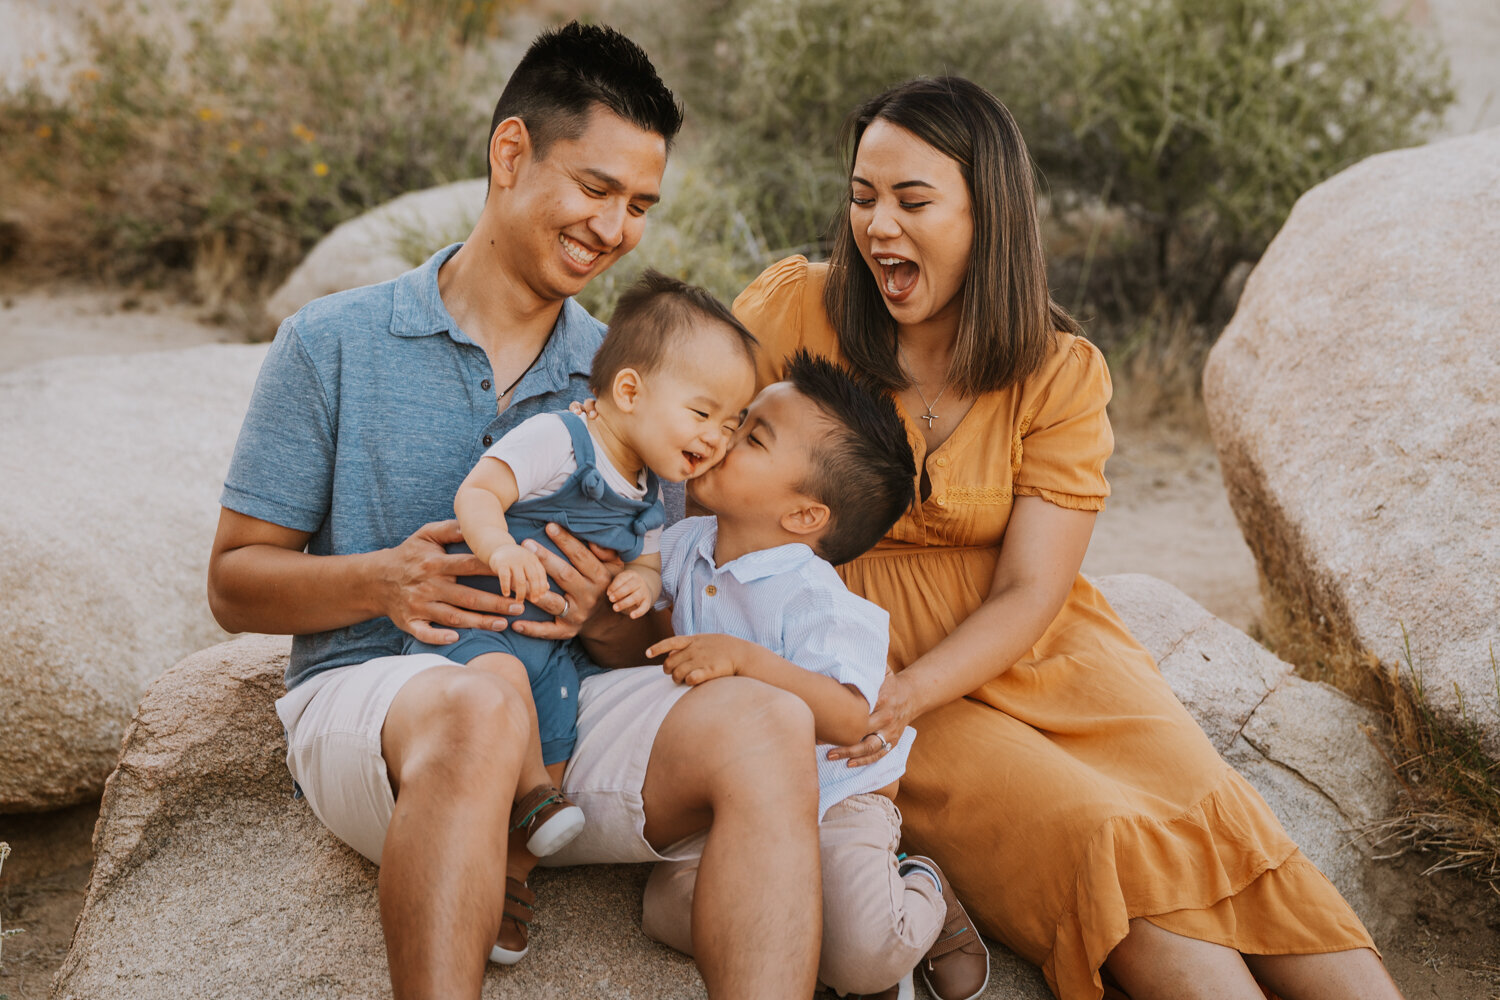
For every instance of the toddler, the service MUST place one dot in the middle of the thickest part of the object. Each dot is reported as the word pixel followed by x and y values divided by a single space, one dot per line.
pixel 818 471
pixel 672 376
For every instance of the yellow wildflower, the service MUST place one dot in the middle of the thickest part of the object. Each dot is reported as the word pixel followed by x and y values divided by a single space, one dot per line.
pixel 234 146
pixel 320 169
pixel 304 133
pixel 208 115
pixel 44 131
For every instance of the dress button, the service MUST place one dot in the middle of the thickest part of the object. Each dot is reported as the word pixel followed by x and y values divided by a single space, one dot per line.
pixel 942 463
pixel 942 502
pixel 710 590
pixel 484 384
pixel 488 440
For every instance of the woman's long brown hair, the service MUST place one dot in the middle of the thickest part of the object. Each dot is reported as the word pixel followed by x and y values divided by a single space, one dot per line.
pixel 1008 323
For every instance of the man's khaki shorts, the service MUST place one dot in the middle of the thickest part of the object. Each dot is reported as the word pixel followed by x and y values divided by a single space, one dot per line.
pixel 333 723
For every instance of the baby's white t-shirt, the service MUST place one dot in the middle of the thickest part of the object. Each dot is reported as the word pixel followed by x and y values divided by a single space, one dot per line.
pixel 539 451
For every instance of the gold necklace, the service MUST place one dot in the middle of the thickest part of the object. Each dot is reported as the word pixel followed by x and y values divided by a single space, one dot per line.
pixel 929 416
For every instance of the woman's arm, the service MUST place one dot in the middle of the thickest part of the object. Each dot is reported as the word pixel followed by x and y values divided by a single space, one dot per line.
pixel 1040 557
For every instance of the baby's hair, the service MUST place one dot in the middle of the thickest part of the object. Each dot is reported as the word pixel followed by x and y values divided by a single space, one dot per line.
pixel 654 316
pixel 865 471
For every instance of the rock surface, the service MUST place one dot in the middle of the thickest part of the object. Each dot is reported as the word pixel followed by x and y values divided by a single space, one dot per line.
pixel 380 244
pixel 112 467
pixel 211 880
pixel 1355 403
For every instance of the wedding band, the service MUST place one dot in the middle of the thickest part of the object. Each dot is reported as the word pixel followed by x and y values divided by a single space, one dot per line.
pixel 565 608
pixel 884 746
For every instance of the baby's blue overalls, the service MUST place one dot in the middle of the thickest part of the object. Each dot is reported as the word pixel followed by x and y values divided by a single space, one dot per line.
pixel 589 509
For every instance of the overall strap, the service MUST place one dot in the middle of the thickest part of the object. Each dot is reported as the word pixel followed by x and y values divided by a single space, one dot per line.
pixel 583 442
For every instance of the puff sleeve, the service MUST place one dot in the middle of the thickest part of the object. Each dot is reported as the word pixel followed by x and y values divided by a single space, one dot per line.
pixel 1064 436
pixel 771 307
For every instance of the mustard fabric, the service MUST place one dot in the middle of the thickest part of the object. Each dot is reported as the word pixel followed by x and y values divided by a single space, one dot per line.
pixel 1073 792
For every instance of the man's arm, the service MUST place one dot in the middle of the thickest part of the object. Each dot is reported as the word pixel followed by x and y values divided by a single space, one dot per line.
pixel 261 580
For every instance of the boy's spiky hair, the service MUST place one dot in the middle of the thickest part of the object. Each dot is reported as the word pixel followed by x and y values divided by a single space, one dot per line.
pixel 651 318
pixel 865 472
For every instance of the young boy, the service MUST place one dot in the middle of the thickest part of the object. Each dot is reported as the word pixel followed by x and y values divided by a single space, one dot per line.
pixel 818 471
pixel 672 377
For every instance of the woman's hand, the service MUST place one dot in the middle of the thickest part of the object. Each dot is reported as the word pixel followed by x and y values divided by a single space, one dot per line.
pixel 583 578
pixel 894 710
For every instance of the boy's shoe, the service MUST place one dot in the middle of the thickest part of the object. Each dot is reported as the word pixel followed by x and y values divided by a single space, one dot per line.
pixel 515 926
pixel 957 966
pixel 548 818
pixel 904 990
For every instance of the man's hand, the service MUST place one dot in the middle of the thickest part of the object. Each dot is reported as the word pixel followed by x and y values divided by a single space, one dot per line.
pixel 693 659
pixel 583 576
pixel 422 593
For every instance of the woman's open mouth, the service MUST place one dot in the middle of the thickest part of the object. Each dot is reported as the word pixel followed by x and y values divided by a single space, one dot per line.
pixel 898 276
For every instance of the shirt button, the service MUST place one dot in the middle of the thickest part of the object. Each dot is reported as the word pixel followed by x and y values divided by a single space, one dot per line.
pixel 710 590
pixel 942 502
pixel 942 463
pixel 484 384
pixel 489 441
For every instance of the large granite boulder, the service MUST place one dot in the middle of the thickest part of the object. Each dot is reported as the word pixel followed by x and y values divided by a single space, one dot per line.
pixel 211 880
pixel 112 467
pixel 380 244
pixel 1355 404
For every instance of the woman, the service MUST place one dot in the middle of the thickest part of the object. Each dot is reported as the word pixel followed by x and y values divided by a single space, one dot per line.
pixel 1081 813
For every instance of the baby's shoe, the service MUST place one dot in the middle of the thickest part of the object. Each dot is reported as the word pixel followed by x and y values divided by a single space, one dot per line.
pixel 515 926
pixel 957 966
pixel 549 820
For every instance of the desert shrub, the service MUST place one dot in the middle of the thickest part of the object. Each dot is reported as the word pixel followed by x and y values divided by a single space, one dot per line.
pixel 225 152
pixel 1204 120
pixel 767 83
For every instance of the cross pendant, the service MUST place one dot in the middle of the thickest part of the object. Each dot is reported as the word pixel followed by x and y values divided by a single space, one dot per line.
pixel 929 416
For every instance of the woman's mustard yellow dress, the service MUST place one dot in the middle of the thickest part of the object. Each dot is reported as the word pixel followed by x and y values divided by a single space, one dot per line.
pixel 1073 792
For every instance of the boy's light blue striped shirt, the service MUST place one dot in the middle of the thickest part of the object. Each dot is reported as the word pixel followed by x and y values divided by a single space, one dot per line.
pixel 794 604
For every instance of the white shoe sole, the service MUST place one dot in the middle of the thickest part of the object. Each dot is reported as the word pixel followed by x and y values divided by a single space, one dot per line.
pixel 504 956
pixel 907 988
pixel 557 833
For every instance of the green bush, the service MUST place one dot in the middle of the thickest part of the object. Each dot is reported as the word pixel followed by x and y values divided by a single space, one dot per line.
pixel 767 84
pixel 228 152
pixel 1204 120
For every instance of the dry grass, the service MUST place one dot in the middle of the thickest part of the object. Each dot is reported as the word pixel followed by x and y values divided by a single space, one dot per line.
pixel 1450 786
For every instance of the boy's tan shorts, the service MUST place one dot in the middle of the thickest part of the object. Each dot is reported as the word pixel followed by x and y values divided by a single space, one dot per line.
pixel 333 723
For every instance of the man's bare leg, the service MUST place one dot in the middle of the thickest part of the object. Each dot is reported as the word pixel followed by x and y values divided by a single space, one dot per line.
pixel 454 742
pixel 513 671
pixel 735 756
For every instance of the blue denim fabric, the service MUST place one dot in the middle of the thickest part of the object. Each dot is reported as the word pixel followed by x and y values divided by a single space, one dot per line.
pixel 587 507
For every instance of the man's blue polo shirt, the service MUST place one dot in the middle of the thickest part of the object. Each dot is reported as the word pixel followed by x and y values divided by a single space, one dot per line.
pixel 371 407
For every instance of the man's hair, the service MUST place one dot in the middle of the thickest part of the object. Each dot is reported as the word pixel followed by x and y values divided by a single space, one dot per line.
pixel 652 318
pixel 569 71
pixel 865 471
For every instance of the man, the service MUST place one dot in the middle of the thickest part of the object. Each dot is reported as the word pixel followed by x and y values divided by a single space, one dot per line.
pixel 371 407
